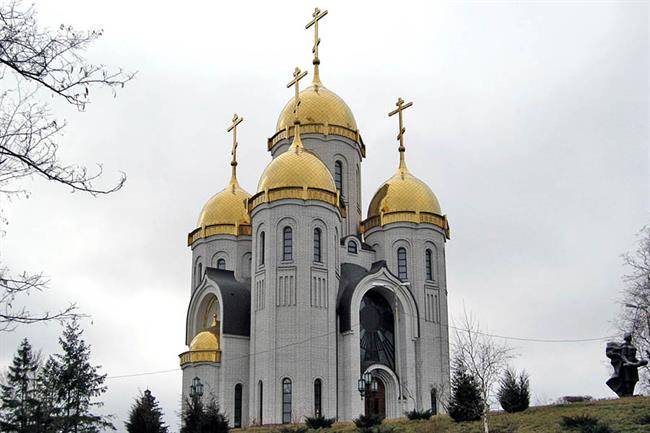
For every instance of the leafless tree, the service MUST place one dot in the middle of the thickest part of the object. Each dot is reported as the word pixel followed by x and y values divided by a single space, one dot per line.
pixel 635 302
pixel 36 63
pixel 482 356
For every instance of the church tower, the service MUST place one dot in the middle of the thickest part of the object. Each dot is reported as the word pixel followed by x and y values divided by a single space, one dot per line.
pixel 330 131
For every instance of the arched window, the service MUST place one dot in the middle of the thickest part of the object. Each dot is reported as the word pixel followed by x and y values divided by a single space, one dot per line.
pixel 199 273
pixel 352 247
pixel 434 401
pixel 260 412
pixel 286 401
pixel 262 247
pixel 428 264
pixel 238 398
pixel 221 264
pixel 402 272
pixel 338 176
pixel 318 392
pixel 287 243
pixel 317 248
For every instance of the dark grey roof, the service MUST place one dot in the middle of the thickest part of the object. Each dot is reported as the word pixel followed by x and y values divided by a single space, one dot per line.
pixel 351 275
pixel 236 298
pixel 364 246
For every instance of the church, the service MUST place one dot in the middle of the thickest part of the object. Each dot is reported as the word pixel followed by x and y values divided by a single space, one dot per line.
pixel 299 305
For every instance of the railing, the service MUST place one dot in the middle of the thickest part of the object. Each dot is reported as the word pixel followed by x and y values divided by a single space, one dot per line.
pixel 218 229
pixel 293 193
pixel 318 128
pixel 413 217
pixel 193 356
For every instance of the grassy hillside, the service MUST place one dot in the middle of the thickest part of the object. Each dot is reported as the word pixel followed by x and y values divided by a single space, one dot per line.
pixel 622 415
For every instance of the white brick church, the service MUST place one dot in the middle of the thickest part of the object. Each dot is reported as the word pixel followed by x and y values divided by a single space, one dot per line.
pixel 300 306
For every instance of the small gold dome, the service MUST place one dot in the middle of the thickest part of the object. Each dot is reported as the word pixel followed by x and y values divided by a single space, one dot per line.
pixel 403 193
pixel 227 207
pixel 297 167
pixel 208 339
pixel 318 105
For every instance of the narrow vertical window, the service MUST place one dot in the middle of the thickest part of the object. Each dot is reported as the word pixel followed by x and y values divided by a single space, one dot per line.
pixel 199 274
pixel 428 264
pixel 238 399
pixel 338 176
pixel 318 391
pixel 402 272
pixel 317 248
pixel 434 401
pixel 286 401
pixel 287 244
pixel 221 264
pixel 352 247
pixel 262 247
pixel 260 406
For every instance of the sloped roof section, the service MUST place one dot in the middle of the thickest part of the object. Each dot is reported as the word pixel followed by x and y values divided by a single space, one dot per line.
pixel 351 275
pixel 236 298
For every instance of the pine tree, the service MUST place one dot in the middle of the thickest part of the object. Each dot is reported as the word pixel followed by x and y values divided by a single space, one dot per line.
pixel 146 416
pixel 77 385
pixel 514 391
pixel 193 414
pixel 466 403
pixel 20 403
pixel 213 420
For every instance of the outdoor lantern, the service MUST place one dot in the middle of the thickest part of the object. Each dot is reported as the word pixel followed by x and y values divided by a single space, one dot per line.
pixel 374 386
pixel 361 386
pixel 196 389
pixel 367 377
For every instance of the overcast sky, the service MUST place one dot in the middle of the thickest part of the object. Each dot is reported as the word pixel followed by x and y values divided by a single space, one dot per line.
pixel 530 123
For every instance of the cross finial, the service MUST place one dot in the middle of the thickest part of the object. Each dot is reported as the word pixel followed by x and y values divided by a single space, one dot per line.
pixel 236 120
pixel 297 76
pixel 317 15
pixel 401 106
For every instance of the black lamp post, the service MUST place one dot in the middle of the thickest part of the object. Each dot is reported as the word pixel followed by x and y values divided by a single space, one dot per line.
pixel 367 385
pixel 196 388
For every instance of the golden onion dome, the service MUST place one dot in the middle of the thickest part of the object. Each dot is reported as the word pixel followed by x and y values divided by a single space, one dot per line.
pixel 297 168
pixel 227 207
pixel 204 347
pixel 205 340
pixel 404 198
pixel 318 105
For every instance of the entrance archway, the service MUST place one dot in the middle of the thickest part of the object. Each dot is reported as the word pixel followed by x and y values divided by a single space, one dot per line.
pixel 376 402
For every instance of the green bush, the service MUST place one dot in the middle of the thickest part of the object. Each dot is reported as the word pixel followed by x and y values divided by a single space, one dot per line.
pixel 319 421
pixel 367 421
pixel 415 414
pixel 584 424
pixel 514 391
pixel 466 403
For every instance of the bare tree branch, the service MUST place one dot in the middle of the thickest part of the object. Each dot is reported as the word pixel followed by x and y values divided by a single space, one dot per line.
pixel 34 62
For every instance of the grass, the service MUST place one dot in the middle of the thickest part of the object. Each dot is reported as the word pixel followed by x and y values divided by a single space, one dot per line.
pixel 627 415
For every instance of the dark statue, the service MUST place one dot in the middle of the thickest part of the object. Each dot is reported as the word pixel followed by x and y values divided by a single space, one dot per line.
pixel 626 366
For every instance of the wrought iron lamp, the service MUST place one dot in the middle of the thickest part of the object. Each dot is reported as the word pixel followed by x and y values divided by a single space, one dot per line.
pixel 367 385
pixel 196 388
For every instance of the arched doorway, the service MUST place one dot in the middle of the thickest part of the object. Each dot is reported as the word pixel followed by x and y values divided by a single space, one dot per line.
pixel 376 402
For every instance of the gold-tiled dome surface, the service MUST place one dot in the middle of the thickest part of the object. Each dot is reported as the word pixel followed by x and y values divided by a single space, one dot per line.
pixel 228 207
pixel 318 105
pixel 205 340
pixel 297 167
pixel 403 193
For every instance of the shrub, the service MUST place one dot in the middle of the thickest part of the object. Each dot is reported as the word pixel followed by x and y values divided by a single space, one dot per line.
pixel 418 414
pixel 514 391
pixel 466 403
pixel 584 424
pixel 319 421
pixel 367 421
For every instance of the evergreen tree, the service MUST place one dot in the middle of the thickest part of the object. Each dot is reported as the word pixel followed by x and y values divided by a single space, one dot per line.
pixel 465 403
pixel 193 414
pixel 146 416
pixel 77 385
pixel 514 391
pixel 213 420
pixel 19 405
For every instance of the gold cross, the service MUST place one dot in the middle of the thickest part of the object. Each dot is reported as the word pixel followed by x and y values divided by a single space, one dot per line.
pixel 297 76
pixel 236 120
pixel 317 15
pixel 401 106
